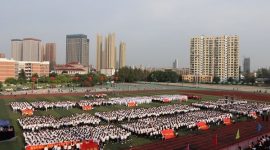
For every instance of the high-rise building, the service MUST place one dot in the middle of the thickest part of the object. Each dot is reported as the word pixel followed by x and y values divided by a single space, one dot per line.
pixel 77 49
pixel 50 54
pixel 175 64
pixel 246 65
pixel 215 56
pixel 110 52
pixel 99 59
pixel 31 49
pixel 122 54
pixel 16 49
pixel 2 55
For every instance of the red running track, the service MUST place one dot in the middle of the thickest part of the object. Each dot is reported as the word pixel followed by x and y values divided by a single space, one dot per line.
pixel 204 139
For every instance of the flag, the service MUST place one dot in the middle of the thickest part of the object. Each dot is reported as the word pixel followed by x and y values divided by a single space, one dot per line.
pixel 237 135
pixel 187 147
pixel 259 127
pixel 215 140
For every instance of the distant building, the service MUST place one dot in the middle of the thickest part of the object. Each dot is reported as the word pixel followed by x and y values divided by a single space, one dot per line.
pixel 50 54
pixel 246 65
pixel 109 56
pixel 32 67
pixel 122 54
pixel 71 69
pixel 77 49
pixel 32 50
pixel 16 49
pixel 27 49
pixel 99 60
pixel 215 56
pixel 175 64
pixel 11 68
pixel 193 78
pixel 2 55
pixel 108 72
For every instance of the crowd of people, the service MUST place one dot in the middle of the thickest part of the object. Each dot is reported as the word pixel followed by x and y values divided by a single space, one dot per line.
pixel 16 106
pixel 262 143
pixel 241 107
pixel 161 98
pixel 38 122
pixel 99 134
pixel 153 126
pixel 120 115
pixel 96 102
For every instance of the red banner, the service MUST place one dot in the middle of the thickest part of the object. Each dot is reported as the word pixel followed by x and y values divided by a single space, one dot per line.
pixel 168 134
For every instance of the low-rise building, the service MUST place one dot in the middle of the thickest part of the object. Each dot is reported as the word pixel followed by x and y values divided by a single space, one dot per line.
pixel 71 69
pixel 201 78
pixel 10 68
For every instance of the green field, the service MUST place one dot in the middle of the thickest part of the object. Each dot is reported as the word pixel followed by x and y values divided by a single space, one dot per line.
pixel 18 143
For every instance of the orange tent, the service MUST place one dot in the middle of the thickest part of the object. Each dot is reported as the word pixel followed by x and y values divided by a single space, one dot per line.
pixel 131 104
pixel 166 100
pixel 168 134
pixel 227 121
pixel 27 112
pixel 202 125
pixel 87 107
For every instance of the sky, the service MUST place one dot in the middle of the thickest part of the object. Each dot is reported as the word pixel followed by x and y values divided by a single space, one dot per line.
pixel 156 31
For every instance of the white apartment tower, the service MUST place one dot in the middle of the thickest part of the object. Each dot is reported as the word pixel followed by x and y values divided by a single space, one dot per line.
pixel 215 56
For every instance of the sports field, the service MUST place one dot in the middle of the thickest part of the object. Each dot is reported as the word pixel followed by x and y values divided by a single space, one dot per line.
pixel 7 113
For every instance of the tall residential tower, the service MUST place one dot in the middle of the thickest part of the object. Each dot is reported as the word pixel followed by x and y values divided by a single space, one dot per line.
pixel 122 54
pixel 216 56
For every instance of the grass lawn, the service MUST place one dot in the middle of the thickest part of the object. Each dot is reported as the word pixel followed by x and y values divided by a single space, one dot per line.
pixel 18 144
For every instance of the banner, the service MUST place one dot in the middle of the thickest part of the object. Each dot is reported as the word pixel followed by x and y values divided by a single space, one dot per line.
pixel 168 134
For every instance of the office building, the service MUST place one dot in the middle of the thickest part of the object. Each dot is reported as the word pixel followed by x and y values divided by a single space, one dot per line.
pixel 246 65
pixel 122 54
pixel 77 49
pixel 214 56
pixel 50 54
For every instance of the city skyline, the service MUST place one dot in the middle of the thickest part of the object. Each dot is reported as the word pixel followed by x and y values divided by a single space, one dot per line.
pixel 157 27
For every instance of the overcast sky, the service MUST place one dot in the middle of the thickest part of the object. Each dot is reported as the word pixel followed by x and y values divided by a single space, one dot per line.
pixel 156 31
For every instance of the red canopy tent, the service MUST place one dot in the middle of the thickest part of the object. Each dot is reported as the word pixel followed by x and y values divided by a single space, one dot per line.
pixel 168 134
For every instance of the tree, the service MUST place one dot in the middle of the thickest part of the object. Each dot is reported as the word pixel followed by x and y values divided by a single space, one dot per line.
pixel 11 81
pixel 22 77
pixel 216 79
pixel 1 85
pixel 163 76
pixel 230 79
